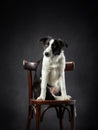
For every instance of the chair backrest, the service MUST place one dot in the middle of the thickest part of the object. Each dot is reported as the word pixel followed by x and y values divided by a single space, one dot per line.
pixel 32 66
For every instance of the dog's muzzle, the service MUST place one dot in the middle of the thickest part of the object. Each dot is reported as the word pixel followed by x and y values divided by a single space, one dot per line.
pixel 47 54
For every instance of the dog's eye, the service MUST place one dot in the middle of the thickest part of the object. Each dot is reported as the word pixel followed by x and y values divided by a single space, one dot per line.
pixel 47 44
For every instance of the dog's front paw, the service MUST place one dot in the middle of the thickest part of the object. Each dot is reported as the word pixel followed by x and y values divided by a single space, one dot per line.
pixel 41 98
pixel 67 97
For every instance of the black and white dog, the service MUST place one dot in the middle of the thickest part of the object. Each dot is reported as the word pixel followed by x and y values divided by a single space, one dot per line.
pixel 53 66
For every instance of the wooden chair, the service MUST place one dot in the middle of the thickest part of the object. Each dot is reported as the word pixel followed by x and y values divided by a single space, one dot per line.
pixel 34 106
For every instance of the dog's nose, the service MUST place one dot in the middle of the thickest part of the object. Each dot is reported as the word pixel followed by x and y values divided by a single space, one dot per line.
pixel 47 54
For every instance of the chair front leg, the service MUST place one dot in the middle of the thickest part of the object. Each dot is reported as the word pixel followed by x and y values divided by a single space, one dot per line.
pixel 37 116
pixel 29 116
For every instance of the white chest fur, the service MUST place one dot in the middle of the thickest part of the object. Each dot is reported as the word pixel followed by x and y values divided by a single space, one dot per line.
pixel 52 68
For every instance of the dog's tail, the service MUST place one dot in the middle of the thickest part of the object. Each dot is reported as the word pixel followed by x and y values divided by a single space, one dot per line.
pixel 67 97
pixel 57 97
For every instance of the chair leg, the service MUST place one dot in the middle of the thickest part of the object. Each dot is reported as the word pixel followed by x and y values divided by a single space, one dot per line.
pixel 72 122
pixel 60 116
pixel 61 124
pixel 38 110
pixel 28 120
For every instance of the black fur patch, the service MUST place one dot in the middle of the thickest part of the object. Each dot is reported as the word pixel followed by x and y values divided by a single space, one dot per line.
pixel 56 47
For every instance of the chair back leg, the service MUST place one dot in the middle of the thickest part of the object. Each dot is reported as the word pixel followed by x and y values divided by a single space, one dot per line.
pixel 72 121
pixel 61 124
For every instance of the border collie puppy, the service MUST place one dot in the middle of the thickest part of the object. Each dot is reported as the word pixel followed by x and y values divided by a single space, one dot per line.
pixel 53 66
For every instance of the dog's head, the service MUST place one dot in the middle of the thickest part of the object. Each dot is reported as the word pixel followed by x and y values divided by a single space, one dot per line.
pixel 52 46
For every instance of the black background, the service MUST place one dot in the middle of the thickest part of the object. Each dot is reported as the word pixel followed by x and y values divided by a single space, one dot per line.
pixel 21 26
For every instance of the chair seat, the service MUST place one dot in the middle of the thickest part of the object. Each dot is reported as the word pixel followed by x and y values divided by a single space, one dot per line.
pixel 52 102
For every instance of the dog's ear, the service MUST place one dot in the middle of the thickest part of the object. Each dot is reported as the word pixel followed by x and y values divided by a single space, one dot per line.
pixel 62 43
pixel 43 40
